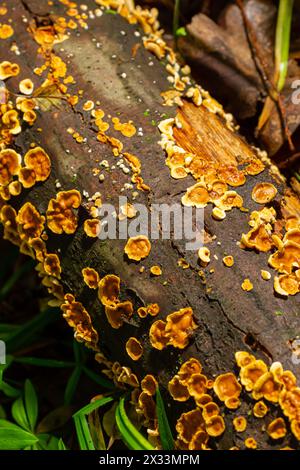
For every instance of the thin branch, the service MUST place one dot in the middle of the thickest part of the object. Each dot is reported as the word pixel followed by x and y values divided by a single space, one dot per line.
pixel 263 70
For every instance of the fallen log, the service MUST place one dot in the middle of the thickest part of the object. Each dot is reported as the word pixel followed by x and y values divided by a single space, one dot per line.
pixel 92 95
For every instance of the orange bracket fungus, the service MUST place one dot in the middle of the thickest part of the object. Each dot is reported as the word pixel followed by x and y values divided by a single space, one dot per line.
pixel 8 69
pixel 109 290
pixel 60 215
pixel 260 409
pixel 26 86
pixel 277 429
pixel 175 331
pixel 262 193
pixel 30 222
pixel 215 426
pixel 10 164
pixel 251 443
pixel 92 227
pixel 52 265
pixel 240 423
pixel 27 177
pixel 118 313
pixel 91 277
pixel 156 271
pixel 227 387
pixel 178 390
pixel 138 247
pixel 134 348
pixel 149 384
pixel 37 160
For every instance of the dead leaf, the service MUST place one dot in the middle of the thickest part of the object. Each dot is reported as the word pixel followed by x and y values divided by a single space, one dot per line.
pixel 223 60
pixel 55 419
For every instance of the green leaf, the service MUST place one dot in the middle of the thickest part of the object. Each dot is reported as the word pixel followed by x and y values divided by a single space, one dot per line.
pixel 93 406
pixel 181 32
pixel 31 404
pixel 56 419
pixel 6 330
pixel 176 15
pixel 2 412
pixel 47 442
pixel 19 414
pixel 165 432
pixel 9 391
pixel 72 385
pixel 41 362
pixel 100 380
pixel 78 352
pixel 61 445
pixel 12 437
pixel 130 435
pixel 282 41
pixel 83 433
pixel 82 429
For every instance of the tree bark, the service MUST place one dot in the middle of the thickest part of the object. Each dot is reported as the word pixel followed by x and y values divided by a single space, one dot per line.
pixel 228 318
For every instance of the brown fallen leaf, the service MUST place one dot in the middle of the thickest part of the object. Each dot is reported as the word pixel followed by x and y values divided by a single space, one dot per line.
pixel 224 62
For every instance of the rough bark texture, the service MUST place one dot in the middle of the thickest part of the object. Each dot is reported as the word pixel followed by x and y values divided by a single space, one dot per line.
pixel 228 318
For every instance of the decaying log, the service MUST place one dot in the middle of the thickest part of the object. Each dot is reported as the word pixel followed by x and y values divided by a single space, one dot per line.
pixel 111 67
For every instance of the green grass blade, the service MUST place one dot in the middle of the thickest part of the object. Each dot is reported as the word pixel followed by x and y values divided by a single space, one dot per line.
pixel 25 333
pixel 82 429
pixel 176 17
pixel 41 362
pixel 127 438
pixel 93 406
pixel 165 432
pixel 31 404
pixel 61 445
pixel 78 352
pixel 72 385
pixel 9 284
pixel 129 433
pixel 84 436
pixel 282 41
pixel 98 379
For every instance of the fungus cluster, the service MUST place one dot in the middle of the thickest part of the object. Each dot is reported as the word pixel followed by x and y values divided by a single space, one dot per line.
pixel 286 259
pixel 275 385
pixel 150 309
pixel 60 214
pixel 175 331
pixel 121 375
pixel 108 292
pixel 37 168
pixel 78 318
pixel 196 426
